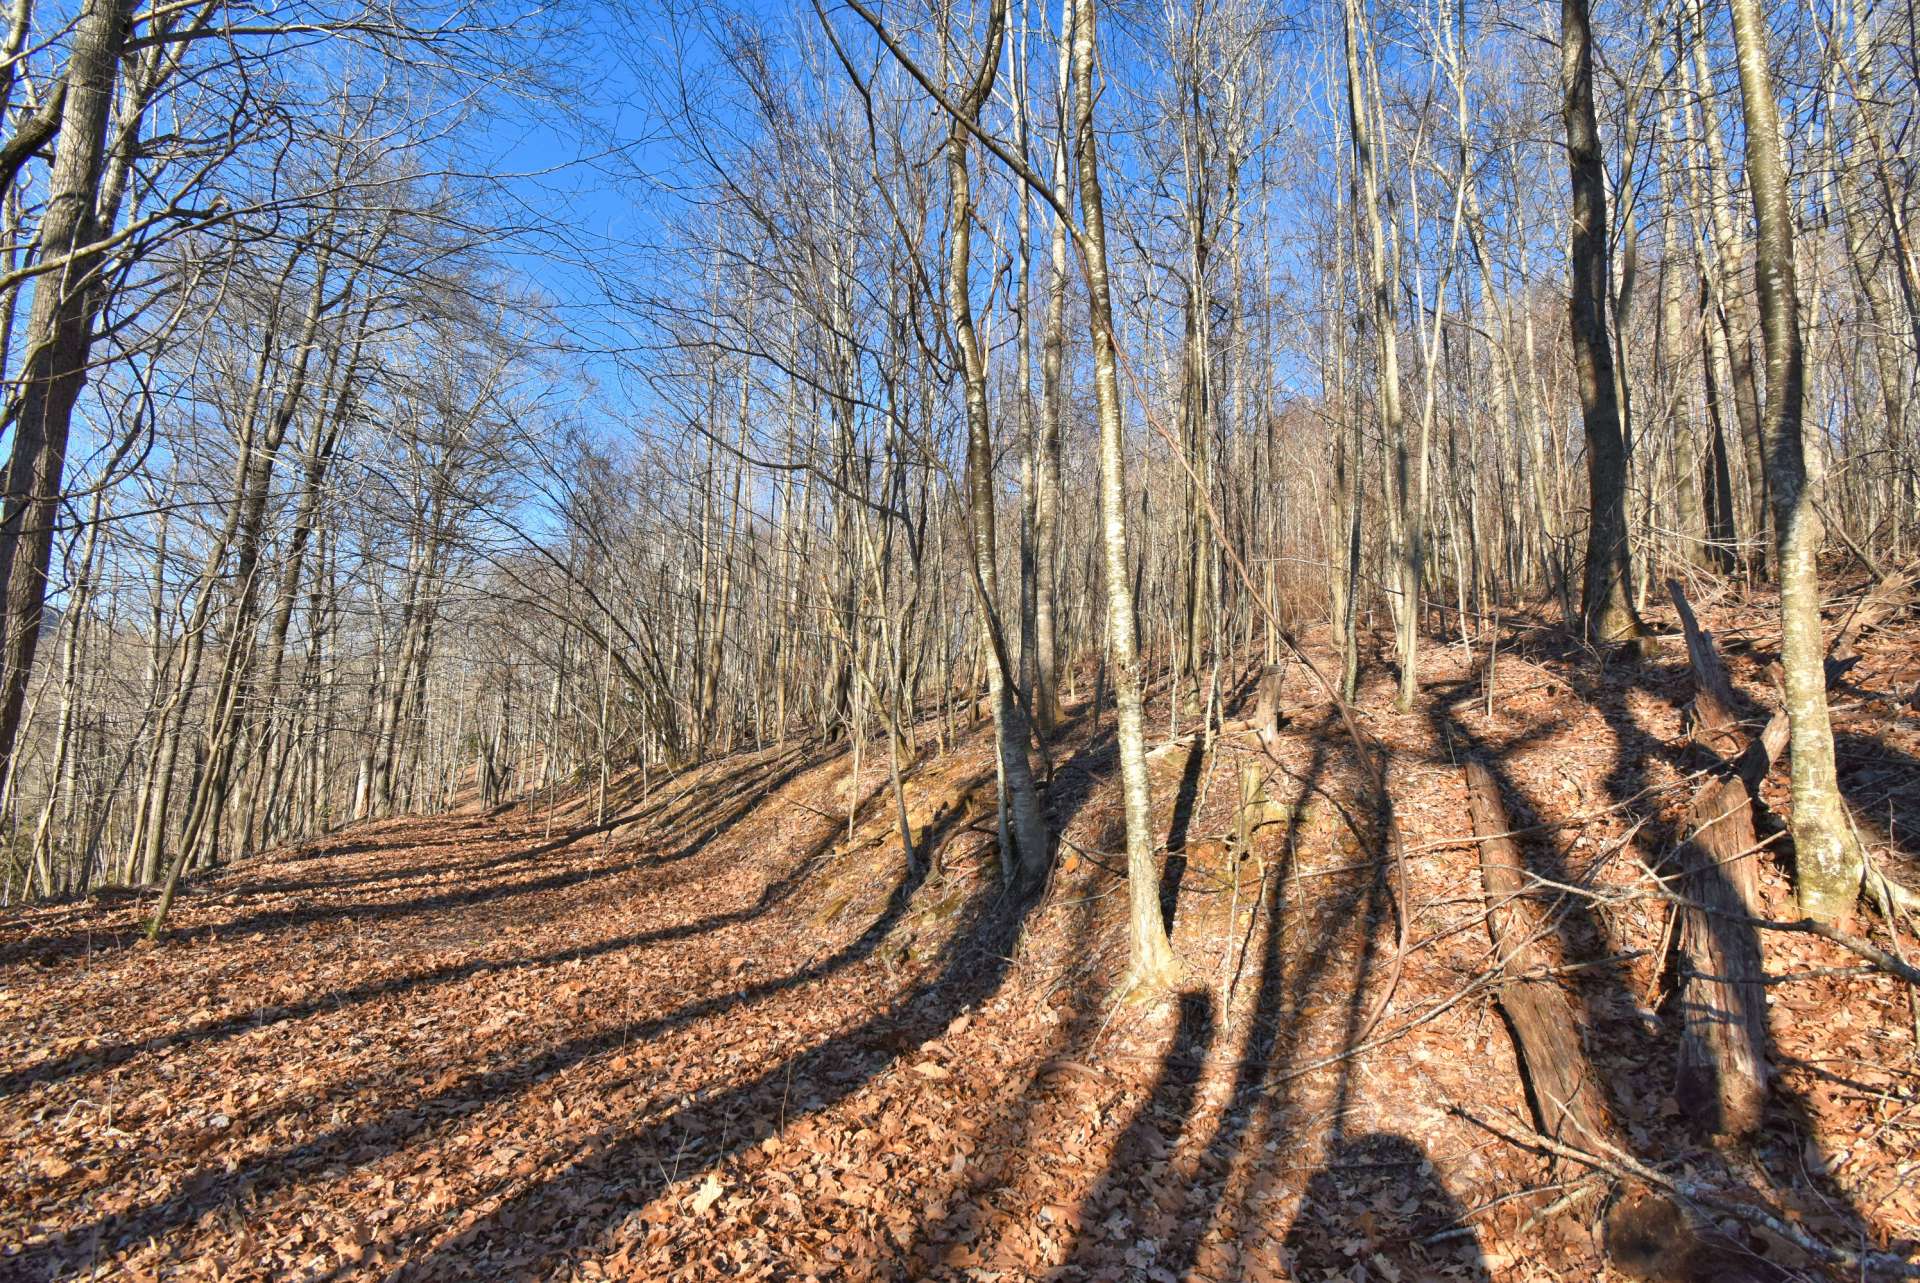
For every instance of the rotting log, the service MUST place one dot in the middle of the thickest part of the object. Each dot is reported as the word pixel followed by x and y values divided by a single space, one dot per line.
pixel 1721 1078
pixel 1887 598
pixel 1721 1081
pixel 1646 1235
pixel 1567 1102
pixel 1714 705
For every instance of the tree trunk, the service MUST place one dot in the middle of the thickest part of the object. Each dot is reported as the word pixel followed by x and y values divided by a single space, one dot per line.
pixel 1403 519
pixel 1047 497
pixel 1606 599
pixel 1828 862
pixel 1733 328
pixel 1151 961
pixel 1026 835
pixel 59 337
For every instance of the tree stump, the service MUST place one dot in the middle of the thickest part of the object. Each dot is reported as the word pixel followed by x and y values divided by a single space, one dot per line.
pixel 1267 717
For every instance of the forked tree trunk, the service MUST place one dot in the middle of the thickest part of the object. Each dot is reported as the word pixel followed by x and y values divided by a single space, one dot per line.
pixel 1024 838
pixel 1403 518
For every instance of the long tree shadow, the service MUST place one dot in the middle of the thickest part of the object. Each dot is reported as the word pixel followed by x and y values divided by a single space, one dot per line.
pixel 1129 1227
pixel 742 798
pixel 424 1117
pixel 237 884
pixel 1275 1025
pixel 1177 1212
pixel 1074 780
pixel 949 1235
pixel 728 1121
pixel 367 836
pixel 954 1230
pixel 752 779
pixel 745 794
pixel 48 950
pixel 1184 798
pixel 244 1022
pixel 242 879
pixel 1617 1041
pixel 1273 1062
pixel 1882 788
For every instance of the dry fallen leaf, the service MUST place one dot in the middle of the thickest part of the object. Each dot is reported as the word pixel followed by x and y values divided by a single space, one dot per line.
pixel 367 1130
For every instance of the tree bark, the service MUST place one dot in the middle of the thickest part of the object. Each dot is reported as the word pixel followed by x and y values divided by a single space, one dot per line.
pixel 1732 331
pixel 1025 838
pixel 1047 497
pixel 1606 599
pixel 59 338
pixel 1566 1100
pixel 1721 1081
pixel 1403 518
pixel 1828 862
pixel 1151 961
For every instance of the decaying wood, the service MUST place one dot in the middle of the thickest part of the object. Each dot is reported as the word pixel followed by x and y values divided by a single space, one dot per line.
pixel 1886 599
pixel 1647 1235
pixel 1714 706
pixel 1267 717
pixel 1757 759
pixel 1566 1100
pixel 1721 1079
pixel 1722 1076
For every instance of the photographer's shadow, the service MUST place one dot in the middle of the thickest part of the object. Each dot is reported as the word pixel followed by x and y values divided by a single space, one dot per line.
pixel 1376 1211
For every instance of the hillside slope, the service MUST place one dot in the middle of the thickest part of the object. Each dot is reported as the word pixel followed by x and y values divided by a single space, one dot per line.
pixel 731 1035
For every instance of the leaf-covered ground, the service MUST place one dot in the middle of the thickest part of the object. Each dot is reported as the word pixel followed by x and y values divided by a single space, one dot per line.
pixel 724 1038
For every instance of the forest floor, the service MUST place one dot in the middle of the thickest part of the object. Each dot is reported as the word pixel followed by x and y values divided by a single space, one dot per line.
pixel 721 1038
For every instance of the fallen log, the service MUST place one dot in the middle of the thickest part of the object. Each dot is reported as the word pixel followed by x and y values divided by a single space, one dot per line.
pixel 1566 1101
pixel 1721 1077
pixel 1887 598
pixel 1647 1235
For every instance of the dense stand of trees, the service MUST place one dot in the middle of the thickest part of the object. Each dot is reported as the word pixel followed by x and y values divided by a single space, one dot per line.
pixel 1007 349
pixel 259 382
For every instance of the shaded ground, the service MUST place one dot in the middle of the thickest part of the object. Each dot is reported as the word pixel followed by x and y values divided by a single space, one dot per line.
pixel 721 1038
